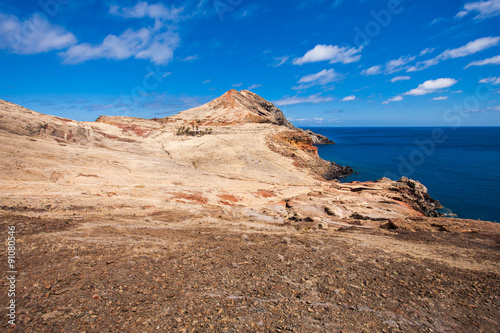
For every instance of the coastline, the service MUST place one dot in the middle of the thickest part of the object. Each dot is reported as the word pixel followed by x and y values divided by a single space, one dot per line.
pixel 439 171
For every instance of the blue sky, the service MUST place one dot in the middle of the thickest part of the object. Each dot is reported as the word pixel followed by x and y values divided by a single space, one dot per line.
pixel 324 63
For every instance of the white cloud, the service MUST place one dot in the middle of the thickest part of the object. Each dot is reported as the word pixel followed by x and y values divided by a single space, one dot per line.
pixel 436 20
pixel 237 84
pixel 461 14
pixel 440 98
pixel 161 49
pixel 318 79
pixel 316 120
pixel 430 86
pixel 397 65
pixel 390 67
pixel 190 58
pixel 492 80
pixel 143 9
pixel 374 70
pixel 315 99
pixel 490 61
pixel 141 44
pixel 494 108
pixel 484 9
pixel 163 76
pixel 156 44
pixel 394 99
pixel 427 50
pixel 254 86
pixel 470 48
pixel 349 98
pixel 400 78
pixel 207 81
pixel 32 36
pixel 332 53
pixel 280 61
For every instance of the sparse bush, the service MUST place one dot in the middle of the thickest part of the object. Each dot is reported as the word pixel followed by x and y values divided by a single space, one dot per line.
pixel 183 130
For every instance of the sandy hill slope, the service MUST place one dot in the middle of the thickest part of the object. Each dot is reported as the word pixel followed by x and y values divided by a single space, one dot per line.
pixel 224 218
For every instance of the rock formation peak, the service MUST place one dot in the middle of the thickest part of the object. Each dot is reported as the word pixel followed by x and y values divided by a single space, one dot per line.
pixel 237 107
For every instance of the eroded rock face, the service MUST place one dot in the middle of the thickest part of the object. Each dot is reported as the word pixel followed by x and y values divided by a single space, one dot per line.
pixel 292 143
pixel 319 139
pixel 415 194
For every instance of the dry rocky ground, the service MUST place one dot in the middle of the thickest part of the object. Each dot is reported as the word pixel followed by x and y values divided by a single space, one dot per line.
pixel 124 226
pixel 129 274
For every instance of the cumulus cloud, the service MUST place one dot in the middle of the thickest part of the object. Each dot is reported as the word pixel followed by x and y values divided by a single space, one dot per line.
pixel 143 9
pixel 492 80
pixel 400 78
pixel 440 98
pixel 314 99
pixel 490 61
pixel 431 86
pixel 374 70
pixel 141 44
pixel 349 98
pixel 32 36
pixel 161 49
pixel 331 53
pixel 318 79
pixel 156 44
pixel 394 99
pixel 484 9
pixel 470 48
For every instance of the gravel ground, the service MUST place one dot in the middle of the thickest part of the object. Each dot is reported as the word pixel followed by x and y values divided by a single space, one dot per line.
pixel 122 275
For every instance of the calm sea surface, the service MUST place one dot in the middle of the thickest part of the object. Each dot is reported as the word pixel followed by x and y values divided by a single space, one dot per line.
pixel 459 166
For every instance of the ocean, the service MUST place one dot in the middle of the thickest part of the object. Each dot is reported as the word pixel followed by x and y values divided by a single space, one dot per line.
pixel 459 166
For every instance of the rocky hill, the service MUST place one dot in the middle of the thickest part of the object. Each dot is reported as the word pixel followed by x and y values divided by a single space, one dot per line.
pixel 236 107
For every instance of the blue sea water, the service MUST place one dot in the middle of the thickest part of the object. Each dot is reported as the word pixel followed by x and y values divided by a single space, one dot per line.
pixel 459 166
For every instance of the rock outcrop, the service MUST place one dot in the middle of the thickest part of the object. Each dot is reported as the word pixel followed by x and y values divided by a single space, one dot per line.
pixel 234 108
pixel 319 139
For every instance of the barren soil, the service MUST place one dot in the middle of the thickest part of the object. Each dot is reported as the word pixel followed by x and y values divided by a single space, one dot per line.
pixel 130 274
